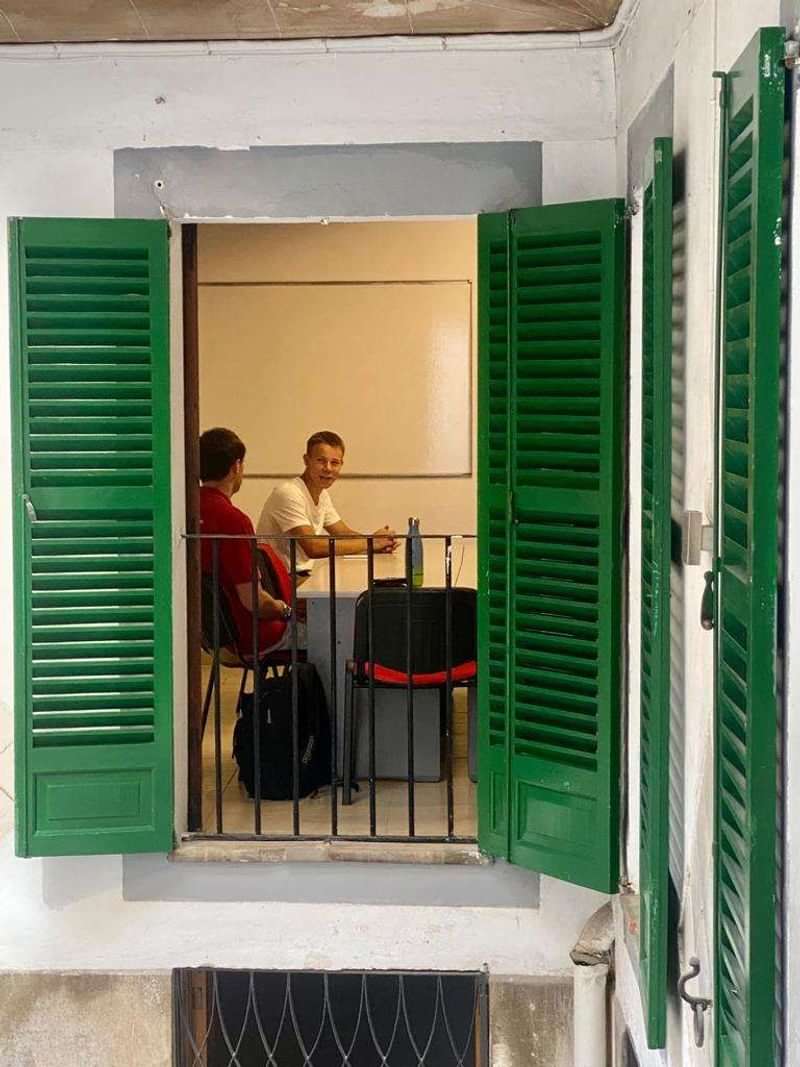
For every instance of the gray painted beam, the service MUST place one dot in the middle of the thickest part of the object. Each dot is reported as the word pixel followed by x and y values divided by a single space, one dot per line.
pixel 336 181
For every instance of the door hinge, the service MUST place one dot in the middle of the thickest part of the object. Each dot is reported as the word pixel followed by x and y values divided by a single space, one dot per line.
pixel 791 54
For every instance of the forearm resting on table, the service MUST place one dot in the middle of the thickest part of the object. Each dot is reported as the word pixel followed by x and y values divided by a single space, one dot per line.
pixel 317 547
pixel 268 607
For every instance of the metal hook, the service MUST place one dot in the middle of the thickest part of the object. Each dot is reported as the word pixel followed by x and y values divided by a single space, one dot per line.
pixel 699 1005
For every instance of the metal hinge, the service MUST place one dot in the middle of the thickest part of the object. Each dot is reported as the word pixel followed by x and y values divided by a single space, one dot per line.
pixel 791 54
pixel 30 510
pixel 722 76
pixel 696 537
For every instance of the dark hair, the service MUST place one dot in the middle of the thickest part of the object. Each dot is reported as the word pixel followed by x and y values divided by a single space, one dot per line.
pixel 324 437
pixel 219 450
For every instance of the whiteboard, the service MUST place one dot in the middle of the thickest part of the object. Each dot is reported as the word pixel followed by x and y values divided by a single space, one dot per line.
pixel 386 365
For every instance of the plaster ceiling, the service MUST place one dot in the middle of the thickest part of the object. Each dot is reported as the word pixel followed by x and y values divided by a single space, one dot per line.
pixel 35 21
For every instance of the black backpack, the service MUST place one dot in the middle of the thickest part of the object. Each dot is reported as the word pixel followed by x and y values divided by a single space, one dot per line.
pixel 275 741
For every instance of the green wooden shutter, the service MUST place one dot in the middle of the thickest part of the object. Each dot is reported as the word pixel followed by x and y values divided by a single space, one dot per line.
pixel 493 529
pixel 551 527
pixel 655 585
pixel 746 685
pixel 91 463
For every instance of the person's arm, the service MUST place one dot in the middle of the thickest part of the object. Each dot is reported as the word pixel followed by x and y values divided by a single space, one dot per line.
pixel 383 540
pixel 268 607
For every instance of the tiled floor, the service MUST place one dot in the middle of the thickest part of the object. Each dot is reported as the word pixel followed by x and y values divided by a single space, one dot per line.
pixel 315 812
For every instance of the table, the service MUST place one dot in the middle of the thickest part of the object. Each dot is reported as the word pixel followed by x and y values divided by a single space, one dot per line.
pixel 390 707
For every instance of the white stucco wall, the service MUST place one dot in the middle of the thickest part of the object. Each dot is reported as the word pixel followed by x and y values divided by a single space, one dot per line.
pixel 696 38
pixel 73 107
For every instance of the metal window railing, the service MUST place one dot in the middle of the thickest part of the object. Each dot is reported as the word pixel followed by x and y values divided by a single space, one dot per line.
pixel 267 666
pixel 224 1018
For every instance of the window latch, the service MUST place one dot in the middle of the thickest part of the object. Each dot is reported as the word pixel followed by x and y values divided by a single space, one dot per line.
pixel 699 1005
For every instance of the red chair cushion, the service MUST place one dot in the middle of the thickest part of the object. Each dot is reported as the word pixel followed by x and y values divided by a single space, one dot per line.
pixel 388 676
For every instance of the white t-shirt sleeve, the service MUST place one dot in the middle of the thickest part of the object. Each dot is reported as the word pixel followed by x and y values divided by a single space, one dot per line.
pixel 329 514
pixel 287 508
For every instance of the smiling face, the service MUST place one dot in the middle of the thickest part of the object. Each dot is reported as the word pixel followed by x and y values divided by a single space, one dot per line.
pixel 323 466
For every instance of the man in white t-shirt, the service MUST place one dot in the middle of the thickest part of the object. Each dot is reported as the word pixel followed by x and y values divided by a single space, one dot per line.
pixel 303 508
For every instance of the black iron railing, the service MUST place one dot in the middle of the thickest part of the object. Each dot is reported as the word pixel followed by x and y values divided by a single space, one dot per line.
pixel 285 1019
pixel 390 599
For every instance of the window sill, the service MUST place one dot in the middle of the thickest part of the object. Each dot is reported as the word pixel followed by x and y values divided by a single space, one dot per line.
pixel 191 849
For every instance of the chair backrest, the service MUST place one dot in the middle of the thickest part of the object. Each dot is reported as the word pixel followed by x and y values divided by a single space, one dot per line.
pixel 428 629
pixel 228 635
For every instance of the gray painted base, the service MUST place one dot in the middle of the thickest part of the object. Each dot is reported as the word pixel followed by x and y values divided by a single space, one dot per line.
pixel 320 181
pixel 497 885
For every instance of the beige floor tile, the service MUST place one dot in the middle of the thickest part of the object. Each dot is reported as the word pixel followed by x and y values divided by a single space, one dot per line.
pixel 315 812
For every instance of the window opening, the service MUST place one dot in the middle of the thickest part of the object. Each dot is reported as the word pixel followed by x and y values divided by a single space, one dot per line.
pixel 398 738
pixel 223 1018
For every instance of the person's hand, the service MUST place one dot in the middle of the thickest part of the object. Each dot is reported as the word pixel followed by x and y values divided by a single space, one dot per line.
pixel 282 609
pixel 385 540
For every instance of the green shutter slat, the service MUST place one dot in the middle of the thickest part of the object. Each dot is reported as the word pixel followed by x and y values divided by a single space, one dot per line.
pixel 656 536
pixel 91 454
pixel 747 983
pixel 493 530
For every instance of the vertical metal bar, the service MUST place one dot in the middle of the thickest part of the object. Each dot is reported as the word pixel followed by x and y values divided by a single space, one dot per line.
pixel 373 814
pixel 254 589
pixel 409 689
pixel 295 714
pixel 448 655
pixel 217 705
pixel 334 682
pixel 483 1020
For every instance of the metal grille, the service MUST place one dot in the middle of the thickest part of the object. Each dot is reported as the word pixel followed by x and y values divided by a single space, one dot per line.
pixel 225 1018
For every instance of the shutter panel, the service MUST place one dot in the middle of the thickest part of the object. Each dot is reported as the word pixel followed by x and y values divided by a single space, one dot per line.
pixel 567 428
pixel 91 456
pixel 493 530
pixel 746 685
pixel 655 587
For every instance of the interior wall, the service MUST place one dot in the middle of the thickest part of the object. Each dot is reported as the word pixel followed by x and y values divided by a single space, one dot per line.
pixel 423 257
pixel 695 40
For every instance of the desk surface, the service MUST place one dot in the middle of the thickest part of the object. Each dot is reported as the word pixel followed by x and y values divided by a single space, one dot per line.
pixel 351 571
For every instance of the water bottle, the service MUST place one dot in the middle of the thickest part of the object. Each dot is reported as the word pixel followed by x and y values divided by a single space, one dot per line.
pixel 416 552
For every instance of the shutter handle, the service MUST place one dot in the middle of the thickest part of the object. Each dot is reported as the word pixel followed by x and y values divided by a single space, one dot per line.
pixel 707 603
pixel 699 1005
pixel 29 508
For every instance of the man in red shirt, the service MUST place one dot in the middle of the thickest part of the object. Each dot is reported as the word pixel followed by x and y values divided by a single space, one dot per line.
pixel 221 471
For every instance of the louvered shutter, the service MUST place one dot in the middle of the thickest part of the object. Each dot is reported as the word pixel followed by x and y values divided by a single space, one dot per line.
pixel 91 461
pixel 655 585
pixel 747 568
pixel 558 520
pixel 493 529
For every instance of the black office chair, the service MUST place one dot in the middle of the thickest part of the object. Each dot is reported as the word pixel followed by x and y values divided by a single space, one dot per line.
pixel 390 652
pixel 230 654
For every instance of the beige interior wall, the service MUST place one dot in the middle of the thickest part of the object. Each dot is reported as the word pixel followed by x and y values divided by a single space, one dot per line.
pixel 441 251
